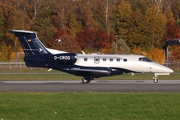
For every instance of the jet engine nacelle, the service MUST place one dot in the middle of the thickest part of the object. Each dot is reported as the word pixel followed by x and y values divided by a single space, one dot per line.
pixel 64 58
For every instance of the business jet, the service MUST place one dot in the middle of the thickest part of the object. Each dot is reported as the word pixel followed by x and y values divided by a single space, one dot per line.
pixel 89 66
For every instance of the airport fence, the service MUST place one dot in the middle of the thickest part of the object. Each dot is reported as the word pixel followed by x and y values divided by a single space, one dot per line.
pixel 174 65
pixel 16 66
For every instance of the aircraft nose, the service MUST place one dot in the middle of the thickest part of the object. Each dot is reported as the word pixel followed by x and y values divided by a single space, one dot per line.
pixel 169 70
pixel 161 68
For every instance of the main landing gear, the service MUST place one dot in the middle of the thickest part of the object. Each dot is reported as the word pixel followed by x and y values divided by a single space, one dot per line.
pixel 87 79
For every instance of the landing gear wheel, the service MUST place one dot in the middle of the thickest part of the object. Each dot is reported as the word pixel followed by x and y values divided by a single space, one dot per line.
pixel 155 80
pixel 84 80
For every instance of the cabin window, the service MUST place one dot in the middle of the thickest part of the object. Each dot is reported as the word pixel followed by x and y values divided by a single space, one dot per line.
pixel 125 60
pixel 85 59
pixel 118 59
pixel 96 59
pixel 111 59
pixel 104 59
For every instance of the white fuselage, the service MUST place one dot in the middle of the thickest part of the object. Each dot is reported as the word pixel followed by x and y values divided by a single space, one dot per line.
pixel 129 62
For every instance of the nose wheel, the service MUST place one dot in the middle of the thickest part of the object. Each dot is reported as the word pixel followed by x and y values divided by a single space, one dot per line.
pixel 155 79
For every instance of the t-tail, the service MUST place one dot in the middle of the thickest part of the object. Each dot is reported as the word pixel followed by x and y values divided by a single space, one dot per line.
pixel 34 50
pixel 32 46
pixel 37 55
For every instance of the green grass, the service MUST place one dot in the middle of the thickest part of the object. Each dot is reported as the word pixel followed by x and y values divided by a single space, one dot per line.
pixel 59 76
pixel 34 77
pixel 44 75
pixel 88 106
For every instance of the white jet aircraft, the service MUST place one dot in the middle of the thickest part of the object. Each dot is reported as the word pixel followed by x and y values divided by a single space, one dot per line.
pixel 89 66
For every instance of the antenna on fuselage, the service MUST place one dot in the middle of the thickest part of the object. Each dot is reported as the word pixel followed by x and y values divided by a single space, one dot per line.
pixel 83 52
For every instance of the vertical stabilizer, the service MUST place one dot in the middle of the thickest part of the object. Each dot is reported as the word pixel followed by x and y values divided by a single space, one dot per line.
pixel 31 45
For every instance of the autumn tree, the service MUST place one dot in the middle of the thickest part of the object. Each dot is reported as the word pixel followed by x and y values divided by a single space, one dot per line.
pixel 6 54
pixel 10 18
pixel 62 9
pixel 172 30
pixel 176 9
pixel 136 35
pixel 142 5
pixel 145 30
pixel 104 41
pixel 1 26
pixel 19 5
pixel 119 46
pixel 66 43
pixel 84 12
pixel 144 24
pixel 93 40
pixel 175 54
pixel 157 55
pixel 43 22
pixel 36 7
pixel 131 25
pixel 124 15
pixel 104 12
pixel 156 24
pixel 74 25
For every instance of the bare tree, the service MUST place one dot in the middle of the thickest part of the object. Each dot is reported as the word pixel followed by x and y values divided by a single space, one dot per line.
pixel 36 7
pixel 159 3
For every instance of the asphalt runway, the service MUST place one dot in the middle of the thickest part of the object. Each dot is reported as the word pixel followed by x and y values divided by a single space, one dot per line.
pixel 94 86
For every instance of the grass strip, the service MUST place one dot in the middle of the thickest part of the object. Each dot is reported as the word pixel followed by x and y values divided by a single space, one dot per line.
pixel 88 106
pixel 45 77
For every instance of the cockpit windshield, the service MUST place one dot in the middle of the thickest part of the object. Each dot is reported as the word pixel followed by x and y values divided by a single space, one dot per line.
pixel 145 59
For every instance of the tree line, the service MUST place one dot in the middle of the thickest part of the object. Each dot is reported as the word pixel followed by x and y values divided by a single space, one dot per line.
pixel 108 26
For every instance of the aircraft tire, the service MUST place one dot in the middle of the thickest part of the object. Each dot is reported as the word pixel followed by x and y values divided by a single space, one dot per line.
pixel 155 80
pixel 85 81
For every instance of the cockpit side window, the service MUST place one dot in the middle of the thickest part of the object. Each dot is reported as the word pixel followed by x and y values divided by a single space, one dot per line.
pixel 145 59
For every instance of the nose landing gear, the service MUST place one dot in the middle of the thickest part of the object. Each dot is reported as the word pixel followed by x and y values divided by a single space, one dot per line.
pixel 155 78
